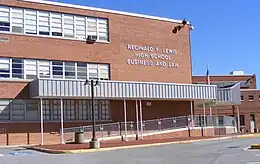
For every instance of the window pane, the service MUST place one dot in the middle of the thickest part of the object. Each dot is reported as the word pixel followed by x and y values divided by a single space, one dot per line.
pixel 32 110
pixel 18 109
pixel 82 72
pixel 4 18
pixel 102 31
pixel 80 27
pixel 30 22
pixel 17 20
pixel 93 71
pixel 92 26
pixel 69 70
pixel 4 110
pixel 31 69
pixel 56 24
pixel 57 69
pixel 44 23
pixel 44 69
pixel 68 26
pixel 4 68
pixel 17 68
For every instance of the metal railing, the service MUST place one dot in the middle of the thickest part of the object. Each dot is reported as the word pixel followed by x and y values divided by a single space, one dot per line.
pixel 149 126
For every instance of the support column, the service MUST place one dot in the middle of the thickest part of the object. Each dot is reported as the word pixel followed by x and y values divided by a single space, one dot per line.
pixel 238 119
pixel 137 121
pixel 210 111
pixel 192 119
pixel 141 117
pixel 125 120
pixel 41 121
pixel 204 118
pixel 61 121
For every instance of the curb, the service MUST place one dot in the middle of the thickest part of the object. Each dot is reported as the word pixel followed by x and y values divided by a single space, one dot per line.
pixel 51 151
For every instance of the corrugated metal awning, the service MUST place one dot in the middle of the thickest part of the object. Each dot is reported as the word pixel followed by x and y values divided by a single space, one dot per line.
pixel 75 89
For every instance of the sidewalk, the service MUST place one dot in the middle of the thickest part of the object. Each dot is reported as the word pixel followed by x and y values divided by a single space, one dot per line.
pixel 117 144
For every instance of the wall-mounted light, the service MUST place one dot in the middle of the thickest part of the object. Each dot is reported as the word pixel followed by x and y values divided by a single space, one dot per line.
pixel 179 27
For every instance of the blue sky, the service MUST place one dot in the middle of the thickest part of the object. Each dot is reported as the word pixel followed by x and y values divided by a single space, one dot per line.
pixel 226 35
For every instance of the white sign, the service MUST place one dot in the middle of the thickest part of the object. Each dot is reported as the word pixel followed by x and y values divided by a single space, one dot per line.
pixel 152 56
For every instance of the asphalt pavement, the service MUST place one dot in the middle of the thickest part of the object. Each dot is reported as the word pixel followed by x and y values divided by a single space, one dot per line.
pixel 230 151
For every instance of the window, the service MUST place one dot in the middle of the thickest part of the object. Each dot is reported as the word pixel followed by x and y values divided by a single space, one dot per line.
pixel 44 23
pixel 104 71
pixel 69 70
pixel 56 24
pixel 5 110
pixel 82 71
pixel 93 71
pixel 92 26
pixel 4 18
pixel 18 110
pixel 30 69
pixel 102 29
pixel 69 110
pixel 57 69
pixel 44 69
pixel 251 97
pixel 259 97
pixel 32 110
pixel 68 28
pixel 56 109
pixel 4 68
pixel 17 20
pixel 17 68
pixel 242 98
pixel 80 23
pixel 30 22
pixel 46 110
pixel 242 120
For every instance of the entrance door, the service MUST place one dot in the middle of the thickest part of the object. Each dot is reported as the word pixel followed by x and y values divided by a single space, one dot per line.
pixel 252 123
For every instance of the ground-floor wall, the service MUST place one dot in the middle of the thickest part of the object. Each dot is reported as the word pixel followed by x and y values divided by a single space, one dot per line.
pixel 249 117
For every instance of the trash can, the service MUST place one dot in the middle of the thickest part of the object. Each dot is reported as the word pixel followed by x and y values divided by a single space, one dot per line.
pixel 79 137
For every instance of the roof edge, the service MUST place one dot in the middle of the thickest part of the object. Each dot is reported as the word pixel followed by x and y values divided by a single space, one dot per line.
pixel 104 10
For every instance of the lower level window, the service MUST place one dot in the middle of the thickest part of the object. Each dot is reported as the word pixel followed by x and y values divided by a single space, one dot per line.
pixel 73 110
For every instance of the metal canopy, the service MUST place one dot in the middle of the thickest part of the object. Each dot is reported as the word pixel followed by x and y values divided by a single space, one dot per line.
pixel 75 89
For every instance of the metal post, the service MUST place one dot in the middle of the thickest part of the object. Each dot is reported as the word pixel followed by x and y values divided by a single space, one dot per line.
pixel 137 124
pixel 61 121
pixel 141 117
pixel 238 119
pixel 93 112
pixel 204 117
pixel 41 121
pixel 125 120
pixel 192 120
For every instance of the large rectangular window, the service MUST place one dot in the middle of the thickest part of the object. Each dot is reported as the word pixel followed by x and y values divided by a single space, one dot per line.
pixel 80 23
pixel 57 69
pixel 92 26
pixel 44 23
pixel 5 110
pixel 82 71
pixel 104 71
pixel 18 110
pixel 4 68
pixel 56 24
pixel 17 20
pixel 32 110
pixel 17 68
pixel 70 70
pixel 44 69
pixel 68 28
pixel 102 29
pixel 30 22
pixel 93 71
pixel 30 69
pixel 4 18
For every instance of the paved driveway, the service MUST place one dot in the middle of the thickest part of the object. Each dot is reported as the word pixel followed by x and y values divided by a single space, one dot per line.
pixel 208 152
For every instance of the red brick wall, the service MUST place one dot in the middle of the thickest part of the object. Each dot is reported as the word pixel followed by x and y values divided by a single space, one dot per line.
pixel 123 30
pixel 158 109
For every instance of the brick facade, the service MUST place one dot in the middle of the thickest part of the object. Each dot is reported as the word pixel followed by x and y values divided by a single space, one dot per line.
pixel 247 107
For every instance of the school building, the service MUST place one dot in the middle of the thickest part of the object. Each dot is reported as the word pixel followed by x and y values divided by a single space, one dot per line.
pixel 48 50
